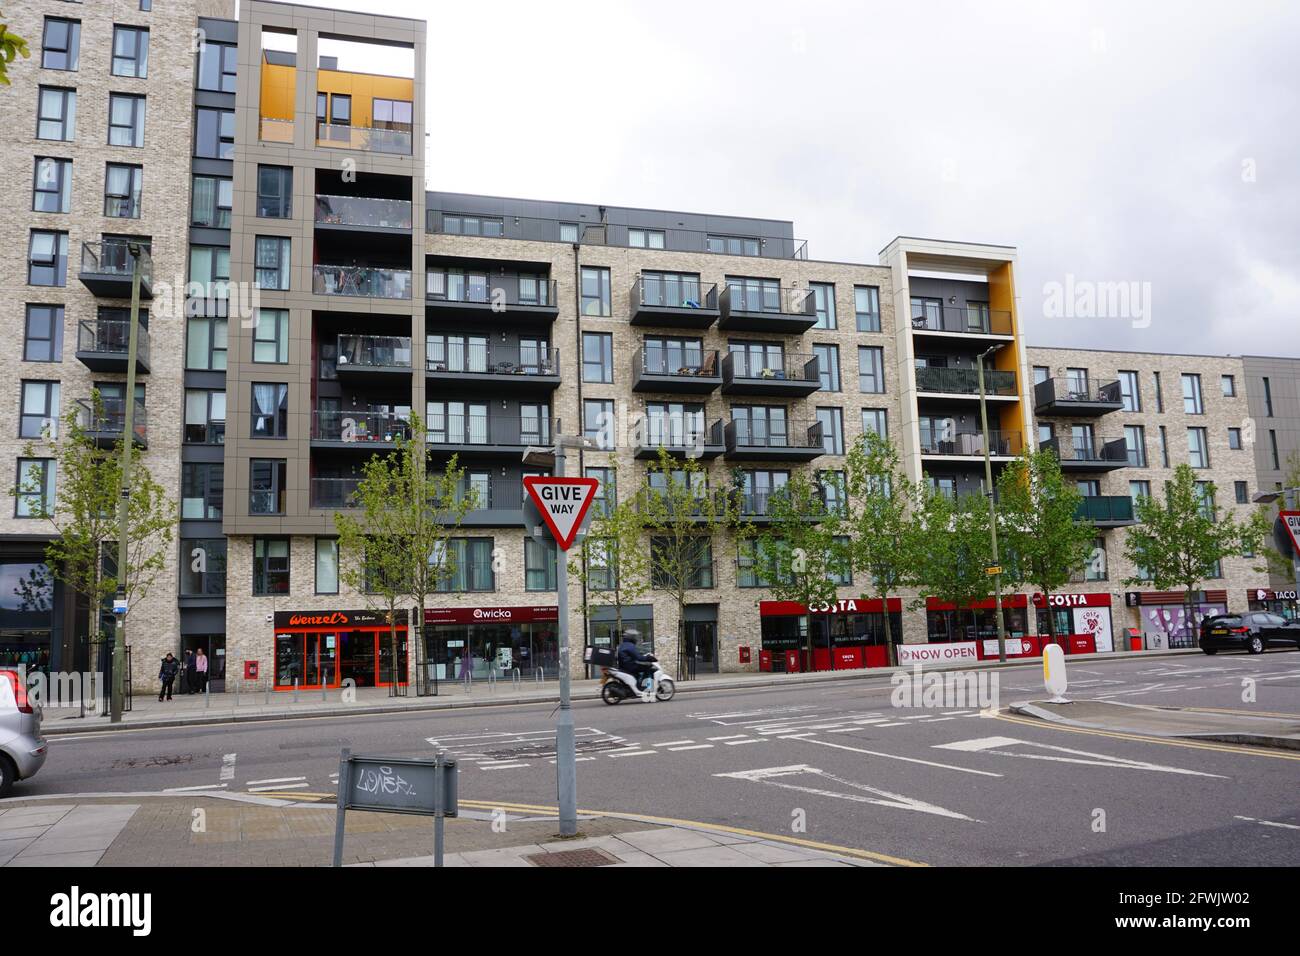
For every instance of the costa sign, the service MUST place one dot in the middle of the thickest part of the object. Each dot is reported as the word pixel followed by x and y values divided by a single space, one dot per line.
pixel 1072 600
pixel 845 606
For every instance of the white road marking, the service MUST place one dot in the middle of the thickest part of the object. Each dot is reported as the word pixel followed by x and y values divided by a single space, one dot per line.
pixel 228 767
pixel 287 786
pixel 992 745
pixel 693 747
pixel 206 786
pixel 956 713
pixel 877 753
pixel 633 753
pixel 895 724
pixel 751 740
pixel 253 783
pixel 673 743
pixel 732 737
pixel 1269 823
pixel 502 766
pixel 883 798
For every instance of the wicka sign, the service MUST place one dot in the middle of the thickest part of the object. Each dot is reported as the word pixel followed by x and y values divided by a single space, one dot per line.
pixel 563 503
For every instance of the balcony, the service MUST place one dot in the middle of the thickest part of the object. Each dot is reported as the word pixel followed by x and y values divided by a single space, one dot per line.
pixel 1067 396
pixel 944 442
pixel 333 493
pixel 271 130
pixel 499 502
pixel 495 367
pixel 526 298
pixel 790 375
pixel 673 303
pixel 1107 511
pixel 769 440
pixel 107 266
pixel 482 437
pixel 364 214
pixel 102 345
pixel 373 358
pixel 336 136
pixel 362 281
pixel 1088 454
pixel 757 507
pixel 680 437
pixel 676 370
pixel 702 503
pixel 956 323
pixel 965 382
pixel 768 308
pixel 105 425
pixel 357 430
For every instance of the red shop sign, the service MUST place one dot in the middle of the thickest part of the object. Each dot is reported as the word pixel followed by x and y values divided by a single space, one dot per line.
pixel 847 606
pixel 1074 600
pixel 490 615
pixel 1008 600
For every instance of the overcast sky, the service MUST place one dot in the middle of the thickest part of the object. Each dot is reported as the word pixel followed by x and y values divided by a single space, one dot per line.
pixel 1129 142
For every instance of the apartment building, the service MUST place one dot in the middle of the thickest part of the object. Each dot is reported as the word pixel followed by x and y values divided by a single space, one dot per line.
pixel 326 295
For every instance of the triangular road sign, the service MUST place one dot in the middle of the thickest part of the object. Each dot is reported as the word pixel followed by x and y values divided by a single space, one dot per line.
pixel 563 503
pixel 1291 521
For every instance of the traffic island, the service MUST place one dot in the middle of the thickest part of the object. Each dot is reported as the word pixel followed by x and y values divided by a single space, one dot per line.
pixel 1234 727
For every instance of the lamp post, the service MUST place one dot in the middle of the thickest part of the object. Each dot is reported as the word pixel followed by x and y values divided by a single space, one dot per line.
pixel 993 507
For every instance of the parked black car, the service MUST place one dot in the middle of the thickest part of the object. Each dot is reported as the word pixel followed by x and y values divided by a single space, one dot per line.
pixel 1253 632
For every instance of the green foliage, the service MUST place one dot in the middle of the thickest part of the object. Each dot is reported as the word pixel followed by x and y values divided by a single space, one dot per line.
pixel 614 562
pixel 800 552
pixel 12 46
pixel 956 550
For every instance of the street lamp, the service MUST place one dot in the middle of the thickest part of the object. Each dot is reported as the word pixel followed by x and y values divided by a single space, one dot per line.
pixel 993 506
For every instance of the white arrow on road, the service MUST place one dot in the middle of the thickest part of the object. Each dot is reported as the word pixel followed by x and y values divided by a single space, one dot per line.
pixel 773 776
pixel 994 745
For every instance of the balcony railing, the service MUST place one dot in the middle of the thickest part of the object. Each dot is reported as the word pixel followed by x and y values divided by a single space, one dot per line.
pixel 965 381
pixel 1106 509
pixel 480 289
pixel 363 211
pixel 487 430
pixel 674 292
pixel 777 300
pixel 111 338
pixel 1074 450
pixel 112 257
pixel 762 504
pixel 680 431
pixel 107 421
pixel 478 358
pixel 670 360
pixel 365 138
pixel 366 281
pixel 333 492
pixel 357 426
pixel 965 319
pixel 1062 391
pixel 271 130
pixel 494 494
pixel 794 433
pixel 945 441
pixel 785 367
pixel 373 352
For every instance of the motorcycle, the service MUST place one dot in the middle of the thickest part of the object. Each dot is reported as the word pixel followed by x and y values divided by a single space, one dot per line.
pixel 617 685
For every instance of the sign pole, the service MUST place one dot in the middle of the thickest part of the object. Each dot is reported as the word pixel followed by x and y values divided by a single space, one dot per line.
pixel 345 788
pixel 566 763
pixel 439 776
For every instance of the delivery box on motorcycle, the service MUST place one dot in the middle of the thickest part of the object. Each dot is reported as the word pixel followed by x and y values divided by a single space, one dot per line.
pixel 600 656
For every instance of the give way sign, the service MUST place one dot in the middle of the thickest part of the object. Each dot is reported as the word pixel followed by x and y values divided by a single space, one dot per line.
pixel 1291 519
pixel 563 503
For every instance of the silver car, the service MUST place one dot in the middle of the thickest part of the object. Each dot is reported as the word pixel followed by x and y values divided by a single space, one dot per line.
pixel 22 748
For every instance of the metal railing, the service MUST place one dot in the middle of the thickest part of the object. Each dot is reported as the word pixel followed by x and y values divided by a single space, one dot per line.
pixel 112 257
pixel 360 427
pixel 488 358
pixel 373 351
pixel 965 381
pixel 108 417
pixel 481 289
pixel 1106 391
pixel 767 297
pixel 785 367
pixel 370 139
pixel 674 292
pixel 369 281
pixel 968 319
pixel 460 429
pixel 1105 508
pixel 947 441
pixel 769 433
pixel 333 492
pixel 493 494
pixel 363 211
pixel 272 130
pixel 679 431
pixel 111 337
pixel 674 360
pixel 1112 450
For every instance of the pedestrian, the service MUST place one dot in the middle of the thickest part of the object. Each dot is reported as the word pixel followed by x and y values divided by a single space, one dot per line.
pixel 167 674
pixel 191 677
pixel 201 670
pixel 185 667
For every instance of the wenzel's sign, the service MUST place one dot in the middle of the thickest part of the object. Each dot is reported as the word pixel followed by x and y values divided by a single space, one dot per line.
pixel 328 619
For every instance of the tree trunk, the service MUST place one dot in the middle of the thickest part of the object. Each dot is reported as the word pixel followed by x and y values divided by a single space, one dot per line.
pixel 891 657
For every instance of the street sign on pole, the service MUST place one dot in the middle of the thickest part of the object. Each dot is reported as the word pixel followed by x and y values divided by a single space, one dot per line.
pixel 1291 521
pixel 563 504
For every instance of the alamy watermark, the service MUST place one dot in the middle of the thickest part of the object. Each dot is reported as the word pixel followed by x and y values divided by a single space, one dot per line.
pixel 1089 299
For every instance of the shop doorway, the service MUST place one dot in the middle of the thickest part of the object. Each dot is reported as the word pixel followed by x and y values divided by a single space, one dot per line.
pixel 325 659
pixel 214 649
pixel 702 642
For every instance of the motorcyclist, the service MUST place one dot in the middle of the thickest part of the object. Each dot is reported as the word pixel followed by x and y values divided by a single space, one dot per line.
pixel 632 661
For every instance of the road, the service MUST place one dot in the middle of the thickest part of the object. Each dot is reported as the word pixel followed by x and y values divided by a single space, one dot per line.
pixel 835 763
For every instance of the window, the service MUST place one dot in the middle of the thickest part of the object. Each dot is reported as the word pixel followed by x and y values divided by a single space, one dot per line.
pixel 669 356
pixel 1272 442
pixel 1160 398
pixel 203 567
pixel 271 336
pixel 459 225
pixel 1205 497
pixel 598 422
pixel 832 422
pixel 205 345
pixel 764 425
pixel 472 561
pixel 674 424
pixel 834 490
pixel 274 192
pixel 212 202
pixel 755 566
pixel 146 5
pixel 210 270
pixel 217 66
pixel 539 564
pixel 270 566
pixel 824 304
pixel 1229 386
pixel 871 369
pixel 122 187
pixel 340 108
pixel 733 245
pixel 759 295
pixel 34 497
pixel 1242 492
pixel 1192 403
pixel 828 366
pixel 52 185
pixel 595 291
pixel 866 303
pixel 875 422
pixel 214 133
pixel 56 113
pixel 1136 441
pixel 597 357
pixel 1198 449
pixel 1041 374
pixel 1234 439
pixel 698 557
pixel 269 410
pixel 202 486
pixel 535 423
pixel 130 52
pixel 1139 489
pixel 205 416
pixel 645 238
pixel 267 486
pixel 1129 391
pixel 327 565
pixel 606 495
pixel 43 334
pixel 1046 432
pixel 1164 448
pixel 60 43
pixel 1268 399
pixel 1095 569
pixel 568 232
pixel 390 114
pixel 126 120
pixel 47 258
pixel 272 263
pixel 40 410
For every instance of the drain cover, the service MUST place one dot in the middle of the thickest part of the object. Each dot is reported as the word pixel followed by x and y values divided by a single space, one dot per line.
pixel 572 858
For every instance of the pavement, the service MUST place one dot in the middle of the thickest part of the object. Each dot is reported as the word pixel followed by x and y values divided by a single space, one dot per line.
pixel 147 829
pixel 265 704
pixel 1236 728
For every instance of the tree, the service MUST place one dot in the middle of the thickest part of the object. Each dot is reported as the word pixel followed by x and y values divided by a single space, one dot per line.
pixel 83 553
pixel 614 565
pixel 883 523
pixel 12 46
pixel 956 549
pixel 801 552
pixel 682 517
pixel 1181 540
pixel 1045 541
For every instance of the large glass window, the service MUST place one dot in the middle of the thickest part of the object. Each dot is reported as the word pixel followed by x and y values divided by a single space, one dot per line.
pixel 391 114
pixel 203 567
pixel 875 421
pixel 47 258
pixel 123 186
pixel 205 416
pixel 539 564
pixel 274 192
pixel 597 357
pixel 267 486
pixel 202 486
pixel 1192 400
pixel 471 563
pixel 272 263
pixel 598 422
pixel 1136 442
pixel 43 333
pixel 214 133
pixel 217 64
pixel 828 366
pixel 125 119
pixel 832 422
pixel 130 51
pixel 60 44
pixel 213 199
pixel 733 245
pixel 824 304
pixel 459 225
pixel 210 269
pixel 271 336
pixel 1198 448
pixel 52 185
pixel 205 344
pixel 270 566
pixel 1129 391
pixel 645 238
pixel 40 410
pixel 270 410
pixel 56 113
pixel 697 559
pixel 871 369
pixel 866 303
pixel 34 490
pixel 595 291
pixel 327 565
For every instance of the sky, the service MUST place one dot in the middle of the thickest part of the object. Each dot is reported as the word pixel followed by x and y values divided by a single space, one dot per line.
pixel 1154 145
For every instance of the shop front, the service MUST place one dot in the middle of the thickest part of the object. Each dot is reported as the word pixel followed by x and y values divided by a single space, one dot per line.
pixel 1081 622
pixel 977 623
pixel 478 642
pixel 846 635
pixel 1163 615
pixel 1278 602
pixel 316 649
